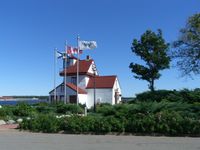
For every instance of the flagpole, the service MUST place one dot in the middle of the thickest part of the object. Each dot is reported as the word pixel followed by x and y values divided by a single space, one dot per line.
pixel 55 62
pixel 77 78
pixel 65 78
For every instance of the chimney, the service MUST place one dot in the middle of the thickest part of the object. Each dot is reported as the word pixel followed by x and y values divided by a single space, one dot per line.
pixel 87 57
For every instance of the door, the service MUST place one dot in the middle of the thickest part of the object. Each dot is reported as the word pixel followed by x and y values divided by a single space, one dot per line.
pixel 116 97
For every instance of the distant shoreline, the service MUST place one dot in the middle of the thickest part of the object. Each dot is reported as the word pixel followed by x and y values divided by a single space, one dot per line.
pixel 16 101
pixel 20 99
pixel 23 98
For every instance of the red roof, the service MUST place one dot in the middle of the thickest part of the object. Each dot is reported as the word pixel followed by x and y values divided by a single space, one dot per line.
pixel 74 87
pixel 84 66
pixel 101 82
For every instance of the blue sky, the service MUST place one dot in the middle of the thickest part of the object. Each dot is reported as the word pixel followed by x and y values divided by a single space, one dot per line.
pixel 31 29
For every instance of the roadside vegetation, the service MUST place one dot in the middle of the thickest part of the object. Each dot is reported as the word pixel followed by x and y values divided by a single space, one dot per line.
pixel 171 113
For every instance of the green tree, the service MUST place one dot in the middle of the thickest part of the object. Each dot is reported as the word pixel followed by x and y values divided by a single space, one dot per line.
pixel 187 47
pixel 152 49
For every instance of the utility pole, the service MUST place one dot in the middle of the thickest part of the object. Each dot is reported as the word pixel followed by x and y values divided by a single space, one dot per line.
pixel 77 75
pixel 94 76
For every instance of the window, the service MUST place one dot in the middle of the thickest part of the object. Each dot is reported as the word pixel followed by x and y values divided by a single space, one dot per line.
pixel 73 99
pixel 73 80
pixel 61 98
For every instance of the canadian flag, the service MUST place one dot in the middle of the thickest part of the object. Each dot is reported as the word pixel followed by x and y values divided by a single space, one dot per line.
pixel 73 50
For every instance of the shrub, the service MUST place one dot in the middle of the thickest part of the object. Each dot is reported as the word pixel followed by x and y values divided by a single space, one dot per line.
pixel 74 124
pixel 91 124
pixel 153 96
pixel 2 114
pixel 69 108
pixel 45 109
pixel 48 123
pixel 140 123
pixel 106 110
pixel 41 123
pixel 116 125
pixel 168 116
pixel 77 124
pixel 190 96
pixel 169 122
pixel 23 110
pixel 184 95
pixel 122 111
pixel 101 125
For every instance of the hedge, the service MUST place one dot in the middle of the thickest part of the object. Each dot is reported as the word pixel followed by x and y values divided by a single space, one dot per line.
pixel 165 123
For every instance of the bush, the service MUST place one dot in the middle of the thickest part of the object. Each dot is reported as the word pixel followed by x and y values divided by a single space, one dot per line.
pixel 74 124
pixel 140 123
pixel 45 109
pixel 105 109
pixel 169 122
pixel 165 122
pixel 184 95
pixel 23 110
pixel 77 124
pixel 191 96
pixel 153 96
pixel 101 125
pixel 122 111
pixel 2 114
pixel 69 108
pixel 91 124
pixel 41 123
pixel 116 125
pixel 167 113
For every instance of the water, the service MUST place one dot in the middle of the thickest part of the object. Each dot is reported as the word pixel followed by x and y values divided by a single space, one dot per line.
pixel 15 102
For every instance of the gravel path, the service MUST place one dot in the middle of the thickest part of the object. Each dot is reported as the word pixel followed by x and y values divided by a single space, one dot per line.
pixel 11 139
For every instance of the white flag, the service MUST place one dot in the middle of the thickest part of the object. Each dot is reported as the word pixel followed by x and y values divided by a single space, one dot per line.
pixel 83 45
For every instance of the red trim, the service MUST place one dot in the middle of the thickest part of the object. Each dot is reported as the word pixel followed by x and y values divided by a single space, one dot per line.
pixel 74 87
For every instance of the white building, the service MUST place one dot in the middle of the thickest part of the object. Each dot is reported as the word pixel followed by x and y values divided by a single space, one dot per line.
pixel 105 88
